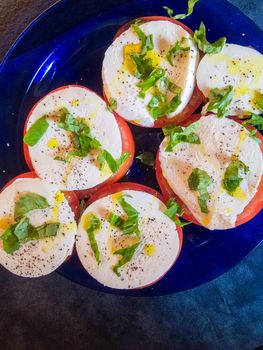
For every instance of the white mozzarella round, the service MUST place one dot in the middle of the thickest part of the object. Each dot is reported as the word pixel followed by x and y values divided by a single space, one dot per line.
pixel 120 84
pixel 78 173
pixel 157 232
pixel 239 66
pixel 220 140
pixel 38 258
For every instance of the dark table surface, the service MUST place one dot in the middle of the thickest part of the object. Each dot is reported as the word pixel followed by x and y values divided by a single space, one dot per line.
pixel 54 313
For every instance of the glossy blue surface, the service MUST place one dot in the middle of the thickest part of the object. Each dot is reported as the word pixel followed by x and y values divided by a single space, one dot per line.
pixel 66 45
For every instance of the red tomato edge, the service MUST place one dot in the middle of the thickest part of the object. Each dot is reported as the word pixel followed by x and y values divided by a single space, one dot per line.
pixel 249 212
pixel 127 146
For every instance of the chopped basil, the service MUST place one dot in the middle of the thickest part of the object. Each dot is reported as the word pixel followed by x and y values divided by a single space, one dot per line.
pixel 93 227
pixel 113 164
pixel 145 85
pixel 27 202
pixel 204 45
pixel 165 83
pixel 232 179
pixel 147 158
pixel 36 131
pixel 191 4
pixel 259 101
pixel 178 134
pixel 113 105
pixel 159 106
pixel 144 66
pixel 219 100
pixel 255 120
pixel 127 226
pixel 146 40
pixel 10 240
pixel 47 230
pixel 176 50
pixel 199 181
pixel 126 256
pixel 174 211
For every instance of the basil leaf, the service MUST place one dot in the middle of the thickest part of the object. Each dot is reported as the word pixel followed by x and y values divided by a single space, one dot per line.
pixel 127 254
pixel 47 230
pixel 255 120
pixel 178 134
pixel 145 85
pixel 165 83
pixel 191 4
pixel 176 50
pixel 23 229
pixel 27 202
pixel 147 158
pixel 131 224
pixel 174 211
pixel 199 181
pixel 219 100
pixel 94 226
pixel 36 131
pixel 113 164
pixel 10 241
pixel 146 40
pixel 204 45
pixel 144 66
pixel 259 101
pixel 231 179
pixel 159 106
pixel 113 105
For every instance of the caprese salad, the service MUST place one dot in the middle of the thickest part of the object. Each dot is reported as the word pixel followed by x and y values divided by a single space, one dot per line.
pixel 127 237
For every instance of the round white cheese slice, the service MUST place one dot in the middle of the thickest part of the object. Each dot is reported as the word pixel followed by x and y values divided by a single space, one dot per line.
pixel 239 66
pixel 221 139
pixel 159 242
pixel 78 173
pixel 38 258
pixel 120 84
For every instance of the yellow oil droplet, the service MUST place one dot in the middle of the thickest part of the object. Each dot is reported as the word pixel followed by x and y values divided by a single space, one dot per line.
pixel 86 220
pixel 5 222
pixel 59 198
pixel 241 90
pixel 115 197
pixel 228 211
pixel 205 221
pixel 74 103
pixel 240 194
pixel 128 51
pixel 153 55
pixel 149 249
pixel 242 136
pixel 53 143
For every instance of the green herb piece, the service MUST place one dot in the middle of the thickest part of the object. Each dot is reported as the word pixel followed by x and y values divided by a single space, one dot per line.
pixel 253 135
pixel 113 105
pixel 232 179
pixel 146 40
pixel 199 181
pixel 27 202
pixel 165 83
pixel 23 229
pixel 219 100
pixel 10 240
pixel 255 120
pixel 144 66
pixel 46 230
pixel 204 45
pixel 174 211
pixel 178 134
pixel 93 227
pixel 191 4
pixel 145 85
pixel 259 101
pixel 176 50
pixel 147 158
pixel 126 256
pixel 127 226
pixel 159 106
pixel 113 164
pixel 36 131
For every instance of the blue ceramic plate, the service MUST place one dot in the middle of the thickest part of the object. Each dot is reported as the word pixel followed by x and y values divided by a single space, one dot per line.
pixel 65 45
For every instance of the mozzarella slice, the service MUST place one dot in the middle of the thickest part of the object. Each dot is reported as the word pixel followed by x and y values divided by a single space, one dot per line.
pixel 78 173
pixel 239 66
pixel 156 253
pixel 220 140
pixel 120 84
pixel 38 258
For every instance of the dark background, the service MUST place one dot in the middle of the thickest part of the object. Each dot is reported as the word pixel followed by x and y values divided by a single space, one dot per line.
pixel 54 313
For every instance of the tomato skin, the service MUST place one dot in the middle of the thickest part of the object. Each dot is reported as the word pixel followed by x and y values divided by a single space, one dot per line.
pixel 127 146
pixel 250 211
pixel 197 96
pixel 70 196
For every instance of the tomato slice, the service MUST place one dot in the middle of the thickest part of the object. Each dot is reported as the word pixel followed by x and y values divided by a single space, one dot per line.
pixel 124 186
pixel 197 96
pixel 71 197
pixel 251 210
pixel 127 146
